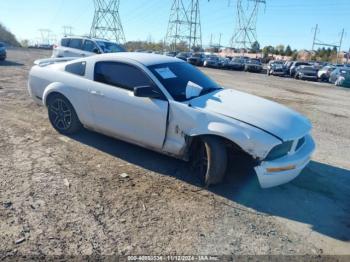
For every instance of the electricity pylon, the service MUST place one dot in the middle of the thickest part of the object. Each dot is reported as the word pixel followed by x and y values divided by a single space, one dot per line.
pixel 184 24
pixel 246 14
pixel 45 36
pixel 67 30
pixel 106 23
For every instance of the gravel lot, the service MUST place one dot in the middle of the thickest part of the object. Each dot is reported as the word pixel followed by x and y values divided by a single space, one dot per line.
pixel 64 195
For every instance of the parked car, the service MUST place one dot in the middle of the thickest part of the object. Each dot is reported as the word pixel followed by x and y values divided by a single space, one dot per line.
pixel 224 62
pixel 253 65
pixel 212 61
pixel 84 46
pixel 3 53
pixel 294 66
pixel 275 68
pixel 173 108
pixel 171 53
pixel 337 72
pixel 236 64
pixel 343 80
pixel 305 72
pixel 183 55
pixel 287 65
pixel 325 72
pixel 196 59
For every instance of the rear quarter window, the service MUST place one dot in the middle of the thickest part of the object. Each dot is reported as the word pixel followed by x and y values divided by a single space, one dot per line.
pixel 65 42
pixel 76 68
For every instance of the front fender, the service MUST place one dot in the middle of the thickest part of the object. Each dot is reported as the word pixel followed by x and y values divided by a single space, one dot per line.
pixel 253 141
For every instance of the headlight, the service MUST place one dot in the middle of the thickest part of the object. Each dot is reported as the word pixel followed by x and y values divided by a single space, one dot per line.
pixel 279 151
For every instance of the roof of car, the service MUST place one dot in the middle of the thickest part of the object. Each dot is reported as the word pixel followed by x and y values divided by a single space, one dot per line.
pixel 86 37
pixel 143 58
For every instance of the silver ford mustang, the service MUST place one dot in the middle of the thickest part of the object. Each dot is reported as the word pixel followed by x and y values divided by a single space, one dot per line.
pixel 167 105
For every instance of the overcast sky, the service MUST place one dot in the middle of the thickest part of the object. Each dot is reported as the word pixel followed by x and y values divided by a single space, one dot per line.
pixel 281 22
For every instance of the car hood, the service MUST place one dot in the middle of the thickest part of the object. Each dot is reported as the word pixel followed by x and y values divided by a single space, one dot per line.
pixel 269 116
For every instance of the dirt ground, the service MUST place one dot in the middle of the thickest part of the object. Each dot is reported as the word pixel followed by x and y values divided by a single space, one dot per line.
pixel 66 196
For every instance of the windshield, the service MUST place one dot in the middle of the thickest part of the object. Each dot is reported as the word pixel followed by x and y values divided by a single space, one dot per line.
pixel 256 62
pixel 176 76
pixel 109 47
pixel 213 57
pixel 237 60
pixel 184 54
pixel 308 68
pixel 344 71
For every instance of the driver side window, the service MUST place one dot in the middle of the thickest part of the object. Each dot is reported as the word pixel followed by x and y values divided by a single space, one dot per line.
pixel 121 75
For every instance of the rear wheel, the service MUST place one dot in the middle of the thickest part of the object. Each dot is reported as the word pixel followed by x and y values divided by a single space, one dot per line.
pixel 62 115
pixel 209 160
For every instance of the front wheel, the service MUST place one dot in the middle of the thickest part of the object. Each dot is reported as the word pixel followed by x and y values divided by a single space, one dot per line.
pixel 62 115
pixel 209 160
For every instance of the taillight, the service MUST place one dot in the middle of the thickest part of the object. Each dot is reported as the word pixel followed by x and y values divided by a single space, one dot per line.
pixel 55 46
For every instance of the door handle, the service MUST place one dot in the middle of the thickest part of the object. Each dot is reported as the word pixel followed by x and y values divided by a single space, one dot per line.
pixel 96 93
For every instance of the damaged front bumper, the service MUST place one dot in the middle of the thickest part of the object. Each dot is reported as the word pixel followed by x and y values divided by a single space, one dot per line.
pixel 282 170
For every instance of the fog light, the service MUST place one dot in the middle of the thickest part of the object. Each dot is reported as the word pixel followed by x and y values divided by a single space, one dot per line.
pixel 280 169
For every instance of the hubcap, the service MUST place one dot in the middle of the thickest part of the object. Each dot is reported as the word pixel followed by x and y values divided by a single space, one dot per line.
pixel 60 114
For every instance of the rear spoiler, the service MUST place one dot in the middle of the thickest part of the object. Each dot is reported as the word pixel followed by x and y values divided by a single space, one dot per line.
pixel 50 61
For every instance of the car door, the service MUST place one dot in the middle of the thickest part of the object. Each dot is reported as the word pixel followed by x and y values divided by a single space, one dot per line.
pixel 119 113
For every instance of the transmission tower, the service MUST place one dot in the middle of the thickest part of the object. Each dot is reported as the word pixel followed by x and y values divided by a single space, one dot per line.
pixel 317 42
pixel 184 24
pixel 67 30
pixel 247 14
pixel 106 23
pixel 45 36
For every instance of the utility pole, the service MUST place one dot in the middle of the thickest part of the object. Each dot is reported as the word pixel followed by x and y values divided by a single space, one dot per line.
pixel 106 23
pixel 315 35
pixel 184 24
pixel 340 44
pixel 246 14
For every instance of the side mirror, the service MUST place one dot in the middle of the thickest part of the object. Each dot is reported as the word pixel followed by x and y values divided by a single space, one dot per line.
pixel 96 51
pixel 146 91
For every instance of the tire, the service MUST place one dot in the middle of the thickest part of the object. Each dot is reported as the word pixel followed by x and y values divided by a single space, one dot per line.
pixel 209 160
pixel 296 76
pixel 324 78
pixel 62 115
